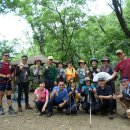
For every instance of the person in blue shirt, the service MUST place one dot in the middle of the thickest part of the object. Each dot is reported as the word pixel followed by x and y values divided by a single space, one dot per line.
pixel 88 91
pixel 59 98
pixel 74 97
pixel 104 98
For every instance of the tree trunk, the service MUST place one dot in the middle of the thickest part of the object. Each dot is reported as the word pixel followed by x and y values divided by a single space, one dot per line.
pixel 119 14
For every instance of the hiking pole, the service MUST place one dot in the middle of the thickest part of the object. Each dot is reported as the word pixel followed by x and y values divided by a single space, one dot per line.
pixel 70 105
pixel 90 110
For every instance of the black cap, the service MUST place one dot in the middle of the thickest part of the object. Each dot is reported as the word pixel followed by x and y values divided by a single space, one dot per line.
pixel 124 78
pixel 24 56
pixel 93 59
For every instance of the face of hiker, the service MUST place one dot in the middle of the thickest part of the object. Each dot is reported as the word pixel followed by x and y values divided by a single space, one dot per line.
pixel 94 63
pixel 50 61
pixel 42 85
pixel 82 65
pixel 121 56
pixel 125 83
pixel 87 82
pixel 38 63
pixel 101 83
pixel 105 63
pixel 24 60
pixel 69 65
pixel 72 83
pixel 61 85
pixel 60 66
pixel 6 57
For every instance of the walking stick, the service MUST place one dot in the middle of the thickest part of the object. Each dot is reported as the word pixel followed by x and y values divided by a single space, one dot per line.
pixel 90 110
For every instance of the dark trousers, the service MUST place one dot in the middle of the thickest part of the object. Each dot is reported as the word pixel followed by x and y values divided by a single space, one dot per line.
pixel 39 105
pixel 86 106
pixel 52 102
pixel 73 109
pixel 23 87
pixel 49 85
pixel 104 106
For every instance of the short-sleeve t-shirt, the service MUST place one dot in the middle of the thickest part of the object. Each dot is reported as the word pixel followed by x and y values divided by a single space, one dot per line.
pixel 5 69
pixel 43 93
pixel 104 92
pixel 62 95
pixel 124 67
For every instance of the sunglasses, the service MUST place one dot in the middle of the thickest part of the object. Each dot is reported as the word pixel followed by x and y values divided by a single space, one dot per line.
pixel 61 84
pixel 124 81
pixel 6 55
pixel 118 54
pixel 71 82
pixel 24 59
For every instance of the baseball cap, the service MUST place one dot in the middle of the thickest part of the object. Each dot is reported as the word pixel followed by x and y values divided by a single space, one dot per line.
pixel 101 79
pixel 50 58
pixel 125 78
pixel 87 79
pixel 119 51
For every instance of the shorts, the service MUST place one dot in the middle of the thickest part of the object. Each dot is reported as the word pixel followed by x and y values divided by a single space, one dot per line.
pixel 5 86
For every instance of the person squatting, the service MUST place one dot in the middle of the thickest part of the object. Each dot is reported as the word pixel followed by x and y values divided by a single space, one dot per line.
pixel 66 89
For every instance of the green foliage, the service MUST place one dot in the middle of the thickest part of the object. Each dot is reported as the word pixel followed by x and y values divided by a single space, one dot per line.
pixel 62 29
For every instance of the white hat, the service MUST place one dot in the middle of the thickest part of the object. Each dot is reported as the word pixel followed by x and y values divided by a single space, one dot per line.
pixel 50 58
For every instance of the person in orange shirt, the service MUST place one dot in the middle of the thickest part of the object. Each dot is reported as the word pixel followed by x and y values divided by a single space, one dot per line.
pixel 70 72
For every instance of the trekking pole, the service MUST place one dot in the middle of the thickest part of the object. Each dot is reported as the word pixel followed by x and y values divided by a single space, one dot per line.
pixel 70 105
pixel 90 110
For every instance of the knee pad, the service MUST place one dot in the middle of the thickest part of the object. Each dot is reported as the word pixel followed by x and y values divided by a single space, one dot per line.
pixel 8 97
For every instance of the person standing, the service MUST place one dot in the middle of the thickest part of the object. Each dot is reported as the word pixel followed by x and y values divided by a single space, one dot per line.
pixel 22 74
pixel 123 66
pixel 94 67
pixel 6 74
pixel 36 72
pixel 60 72
pixel 70 72
pixel 50 74
pixel 82 73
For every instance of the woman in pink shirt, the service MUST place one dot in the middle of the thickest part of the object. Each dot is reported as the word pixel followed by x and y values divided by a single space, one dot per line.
pixel 41 97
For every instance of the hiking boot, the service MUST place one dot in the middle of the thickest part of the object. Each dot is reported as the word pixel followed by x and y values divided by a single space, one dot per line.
pixel 28 107
pixel 49 114
pixel 124 116
pixel 110 116
pixel 11 111
pixel 59 110
pixel 40 113
pixel 2 111
pixel 20 109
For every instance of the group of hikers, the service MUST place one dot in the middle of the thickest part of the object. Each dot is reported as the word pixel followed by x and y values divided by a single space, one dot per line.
pixel 67 88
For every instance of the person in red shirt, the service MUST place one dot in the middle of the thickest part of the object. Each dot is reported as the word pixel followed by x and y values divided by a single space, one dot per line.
pixel 5 83
pixel 123 66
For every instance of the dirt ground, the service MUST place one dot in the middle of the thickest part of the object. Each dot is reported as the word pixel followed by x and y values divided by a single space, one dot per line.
pixel 28 120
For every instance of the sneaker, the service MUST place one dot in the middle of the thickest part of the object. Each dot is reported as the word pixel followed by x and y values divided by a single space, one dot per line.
pixel 20 109
pixel 40 113
pixel 11 111
pixel 2 111
pixel 28 107
pixel 49 114
pixel 110 116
